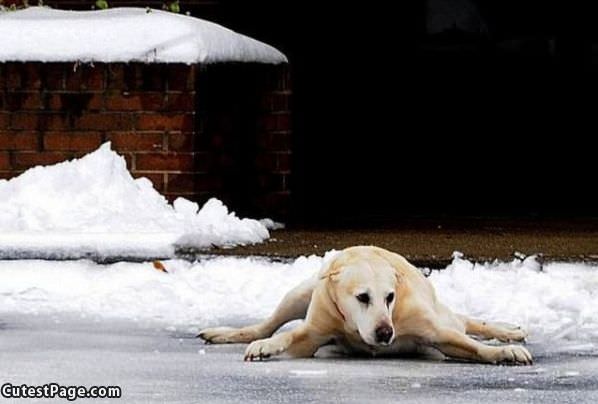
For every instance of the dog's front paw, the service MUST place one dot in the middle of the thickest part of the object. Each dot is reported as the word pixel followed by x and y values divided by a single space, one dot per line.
pixel 516 334
pixel 219 335
pixel 262 349
pixel 511 355
pixel 229 335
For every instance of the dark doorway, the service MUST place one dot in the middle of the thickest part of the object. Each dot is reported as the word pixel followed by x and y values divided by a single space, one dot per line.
pixel 458 108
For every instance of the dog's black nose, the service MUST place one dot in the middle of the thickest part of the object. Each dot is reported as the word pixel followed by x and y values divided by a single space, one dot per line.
pixel 384 333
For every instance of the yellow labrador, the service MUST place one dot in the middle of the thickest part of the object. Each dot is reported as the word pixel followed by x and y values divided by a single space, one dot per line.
pixel 370 300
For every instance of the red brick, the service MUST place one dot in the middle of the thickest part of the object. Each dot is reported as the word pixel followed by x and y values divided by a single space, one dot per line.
pixel 272 182
pixel 181 141
pixel 283 162
pixel 280 141
pixel 275 141
pixel 282 78
pixel 23 76
pixel 180 102
pixel 266 162
pixel 283 121
pixel 13 77
pixel 130 160
pixel 36 121
pixel 193 183
pixel 4 120
pixel 151 77
pixel 24 160
pixel 135 102
pixel 276 102
pixel 95 78
pixel 95 102
pixel 15 101
pixel 30 101
pixel 53 122
pixel 31 75
pixel 73 79
pixel 72 141
pixel 115 76
pixel 178 122
pixel 183 183
pixel 131 141
pixel 180 77
pixel 18 140
pixel 24 121
pixel 2 76
pixel 165 162
pixel 52 102
pixel 276 122
pixel 275 202
pixel 53 76
pixel 84 77
pixel 4 161
pixel 76 102
pixel 105 122
pixel 6 175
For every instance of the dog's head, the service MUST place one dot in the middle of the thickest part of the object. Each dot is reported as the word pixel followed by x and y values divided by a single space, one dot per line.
pixel 363 285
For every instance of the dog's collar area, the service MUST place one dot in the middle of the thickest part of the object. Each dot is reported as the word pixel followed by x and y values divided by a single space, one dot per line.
pixel 338 309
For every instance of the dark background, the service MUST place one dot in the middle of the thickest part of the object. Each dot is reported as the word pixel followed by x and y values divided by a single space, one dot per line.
pixel 435 108
pixel 432 108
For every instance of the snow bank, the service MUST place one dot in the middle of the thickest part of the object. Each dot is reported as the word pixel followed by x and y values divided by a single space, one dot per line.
pixel 557 300
pixel 556 303
pixel 123 35
pixel 93 206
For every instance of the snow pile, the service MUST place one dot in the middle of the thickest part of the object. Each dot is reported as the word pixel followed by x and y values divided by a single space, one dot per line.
pixel 124 35
pixel 212 292
pixel 556 303
pixel 557 300
pixel 93 206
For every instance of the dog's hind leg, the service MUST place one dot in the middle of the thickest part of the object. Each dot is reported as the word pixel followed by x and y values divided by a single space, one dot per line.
pixel 460 346
pixel 292 307
pixel 488 330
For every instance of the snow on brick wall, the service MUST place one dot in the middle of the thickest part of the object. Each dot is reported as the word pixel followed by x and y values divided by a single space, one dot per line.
pixel 195 131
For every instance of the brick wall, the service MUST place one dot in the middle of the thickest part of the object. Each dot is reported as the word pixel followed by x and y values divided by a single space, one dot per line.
pixel 194 131
pixel 246 135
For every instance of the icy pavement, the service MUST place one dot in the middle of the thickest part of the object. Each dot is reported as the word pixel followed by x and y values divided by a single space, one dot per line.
pixel 127 324
pixel 156 365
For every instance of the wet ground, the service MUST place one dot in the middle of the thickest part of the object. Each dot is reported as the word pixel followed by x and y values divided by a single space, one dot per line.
pixel 155 365
pixel 431 242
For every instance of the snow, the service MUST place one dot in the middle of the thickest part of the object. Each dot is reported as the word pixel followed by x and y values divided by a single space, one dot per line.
pixel 124 35
pixel 555 302
pixel 92 206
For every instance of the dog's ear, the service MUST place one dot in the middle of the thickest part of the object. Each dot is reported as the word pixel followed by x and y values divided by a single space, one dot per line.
pixel 331 273
pixel 333 276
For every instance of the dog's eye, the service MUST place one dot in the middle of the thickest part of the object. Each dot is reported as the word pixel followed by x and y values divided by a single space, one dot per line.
pixel 390 298
pixel 363 298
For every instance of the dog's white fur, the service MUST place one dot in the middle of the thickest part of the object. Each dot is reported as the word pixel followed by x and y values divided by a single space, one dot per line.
pixel 401 315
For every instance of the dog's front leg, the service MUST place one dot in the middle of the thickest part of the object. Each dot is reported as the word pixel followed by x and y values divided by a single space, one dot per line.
pixel 301 342
pixel 488 330
pixel 457 345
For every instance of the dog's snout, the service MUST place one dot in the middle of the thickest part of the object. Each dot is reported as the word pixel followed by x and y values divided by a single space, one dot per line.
pixel 384 333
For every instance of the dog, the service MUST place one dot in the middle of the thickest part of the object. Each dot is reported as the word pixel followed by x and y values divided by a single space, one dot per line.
pixel 372 301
